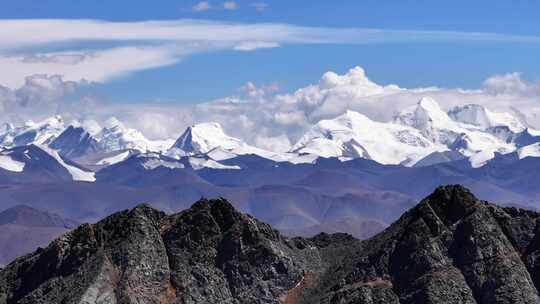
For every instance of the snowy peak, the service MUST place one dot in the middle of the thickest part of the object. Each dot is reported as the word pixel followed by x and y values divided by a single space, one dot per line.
pixel 74 142
pixel 479 116
pixel 43 132
pixel 353 135
pixel 115 136
pixel 151 161
pixel 472 114
pixel 462 144
pixel 425 115
pixel 204 137
pixel 9 163
pixel 431 108
pixel 416 132
pixel 77 173
pixel 6 127
pixel 532 150
pixel 42 163
pixel 209 143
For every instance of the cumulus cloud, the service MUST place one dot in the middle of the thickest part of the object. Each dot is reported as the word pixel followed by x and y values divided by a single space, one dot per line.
pixel 253 92
pixel 40 96
pixel 510 84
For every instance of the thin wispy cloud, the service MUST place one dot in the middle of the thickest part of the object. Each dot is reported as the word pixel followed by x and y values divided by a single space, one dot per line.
pixel 34 32
pixel 202 6
pixel 255 45
pixel 153 44
pixel 93 66
pixel 259 6
pixel 230 5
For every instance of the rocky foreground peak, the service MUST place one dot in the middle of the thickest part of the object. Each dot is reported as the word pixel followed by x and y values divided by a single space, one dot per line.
pixel 450 248
pixel 209 253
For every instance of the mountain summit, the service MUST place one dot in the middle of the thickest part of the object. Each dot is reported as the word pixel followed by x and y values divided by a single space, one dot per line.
pixel 354 135
pixel 74 142
pixel 208 254
pixel 450 248
pixel 421 133
pixel 204 137
pixel 210 140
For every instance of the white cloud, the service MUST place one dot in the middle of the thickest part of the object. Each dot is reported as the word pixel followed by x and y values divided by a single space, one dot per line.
pixel 510 84
pixel 40 96
pixel 279 119
pixel 94 66
pixel 230 5
pixel 151 44
pixel 260 6
pixel 17 34
pixel 282 119
pixel 201 6
pixel 253 92
pixel 255 45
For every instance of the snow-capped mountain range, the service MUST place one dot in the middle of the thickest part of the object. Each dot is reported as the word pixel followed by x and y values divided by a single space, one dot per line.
pixel 422 134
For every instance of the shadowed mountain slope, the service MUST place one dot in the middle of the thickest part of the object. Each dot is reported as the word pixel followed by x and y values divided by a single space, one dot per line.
pixel 23 229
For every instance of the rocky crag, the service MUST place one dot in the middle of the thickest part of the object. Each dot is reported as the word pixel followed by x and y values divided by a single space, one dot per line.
pixel 450 248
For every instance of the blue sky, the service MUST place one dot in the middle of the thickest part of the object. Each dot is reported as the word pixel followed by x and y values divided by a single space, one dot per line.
pixel 215 73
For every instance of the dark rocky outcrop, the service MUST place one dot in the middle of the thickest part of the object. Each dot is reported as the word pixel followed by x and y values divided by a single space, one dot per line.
pixel 209 253
pixel 450 248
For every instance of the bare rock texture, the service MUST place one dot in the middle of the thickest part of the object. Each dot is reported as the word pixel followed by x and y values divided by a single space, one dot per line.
pixel 209 253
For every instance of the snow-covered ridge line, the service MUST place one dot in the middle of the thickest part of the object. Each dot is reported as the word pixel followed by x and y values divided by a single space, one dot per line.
pixel 111 160
pixel 76 173
pixel 415 133
pixel 8 163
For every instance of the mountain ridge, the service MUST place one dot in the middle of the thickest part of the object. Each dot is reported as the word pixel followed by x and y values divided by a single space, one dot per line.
pixel 211 253
pixel 23 229
pixel 416 132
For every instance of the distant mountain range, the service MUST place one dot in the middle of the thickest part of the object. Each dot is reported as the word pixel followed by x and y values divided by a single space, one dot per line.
pixel 450 248
pixel 23 229
pixel 422 134
pixel 348 174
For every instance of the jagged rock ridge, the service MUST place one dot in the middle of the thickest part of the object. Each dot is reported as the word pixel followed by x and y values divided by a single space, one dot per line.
pixel 207 254
pixel 450 248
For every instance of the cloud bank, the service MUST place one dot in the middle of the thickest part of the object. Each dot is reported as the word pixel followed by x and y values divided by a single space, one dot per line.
pixel 258 114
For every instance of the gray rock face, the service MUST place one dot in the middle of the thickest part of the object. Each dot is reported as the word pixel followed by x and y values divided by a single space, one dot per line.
pixel 450 248
pixel 208 254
